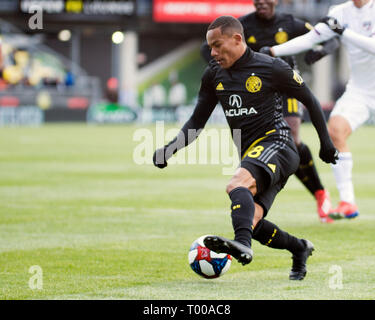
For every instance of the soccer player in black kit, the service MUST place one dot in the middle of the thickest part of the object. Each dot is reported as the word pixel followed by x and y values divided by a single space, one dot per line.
pixel 268 154
pixel 265 28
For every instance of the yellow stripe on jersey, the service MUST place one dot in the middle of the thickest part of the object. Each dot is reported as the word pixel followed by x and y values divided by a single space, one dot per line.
pixel 308 26
pixel 268 132
pixel 257 141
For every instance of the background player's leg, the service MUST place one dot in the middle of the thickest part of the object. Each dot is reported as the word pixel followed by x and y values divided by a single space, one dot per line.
pixel 339 130
pixel 307 172
pixel 272 236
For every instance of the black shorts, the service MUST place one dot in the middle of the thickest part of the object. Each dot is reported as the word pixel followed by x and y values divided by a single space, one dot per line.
pixel 291 107
pixel 271 161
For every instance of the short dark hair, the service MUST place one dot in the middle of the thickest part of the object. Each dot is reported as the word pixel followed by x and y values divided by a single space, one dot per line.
pixel 227 25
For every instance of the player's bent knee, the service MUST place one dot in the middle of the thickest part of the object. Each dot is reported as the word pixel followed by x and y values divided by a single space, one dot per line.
pixel 258 214
pixel 337 135
pixel 339 127
pixel 296 138
pixel 233 185
pixel 242 178
pixel 294 124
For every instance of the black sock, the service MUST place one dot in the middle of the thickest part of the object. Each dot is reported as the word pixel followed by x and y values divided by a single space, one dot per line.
pixel 272 236
pixel 306 171
pixel 242 214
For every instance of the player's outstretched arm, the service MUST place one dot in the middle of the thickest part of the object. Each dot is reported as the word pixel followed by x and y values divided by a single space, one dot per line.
pixel 207 101
pixel 322 50
pixel 290 82
pixel 361 41
pixel 319 34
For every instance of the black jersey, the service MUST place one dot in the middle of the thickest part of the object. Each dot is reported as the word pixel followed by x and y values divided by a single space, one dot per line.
pixel 277 30
pixel 249 93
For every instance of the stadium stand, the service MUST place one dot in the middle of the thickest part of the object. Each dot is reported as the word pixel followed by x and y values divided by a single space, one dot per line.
pixel 35 75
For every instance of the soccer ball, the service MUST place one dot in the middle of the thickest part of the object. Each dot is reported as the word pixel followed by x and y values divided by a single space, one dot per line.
pixel 206 262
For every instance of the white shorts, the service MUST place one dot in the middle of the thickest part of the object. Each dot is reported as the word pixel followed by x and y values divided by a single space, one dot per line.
pixel 354 106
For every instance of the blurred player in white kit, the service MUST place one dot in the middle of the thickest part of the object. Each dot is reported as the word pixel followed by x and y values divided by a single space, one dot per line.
pixel 354 22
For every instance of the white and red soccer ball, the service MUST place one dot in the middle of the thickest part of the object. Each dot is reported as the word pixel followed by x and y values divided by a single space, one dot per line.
pixel 206 262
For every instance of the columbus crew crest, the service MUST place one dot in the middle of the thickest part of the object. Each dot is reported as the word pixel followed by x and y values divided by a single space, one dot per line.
pixel 281 36
pixel 253 84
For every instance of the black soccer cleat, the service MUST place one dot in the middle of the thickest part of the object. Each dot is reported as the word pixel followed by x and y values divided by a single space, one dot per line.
pixel 299 271
pixel 236 249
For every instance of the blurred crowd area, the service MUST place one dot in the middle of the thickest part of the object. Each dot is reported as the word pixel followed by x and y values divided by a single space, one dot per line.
pixel 311 10
pixel 25 67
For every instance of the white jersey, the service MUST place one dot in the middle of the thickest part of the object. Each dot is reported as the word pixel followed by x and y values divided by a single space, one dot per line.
pixel 358 38
pixel 362 63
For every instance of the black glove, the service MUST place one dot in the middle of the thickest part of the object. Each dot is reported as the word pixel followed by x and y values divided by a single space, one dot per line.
pixel 266 50
pixel 159 158
pixel 313 56
pixel 328 153
pixel 333 24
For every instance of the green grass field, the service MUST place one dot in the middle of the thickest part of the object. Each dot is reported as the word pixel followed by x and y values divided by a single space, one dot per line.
pixel 74 203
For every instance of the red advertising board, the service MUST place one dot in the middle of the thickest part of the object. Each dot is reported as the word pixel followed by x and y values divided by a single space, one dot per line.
pixel 198 11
